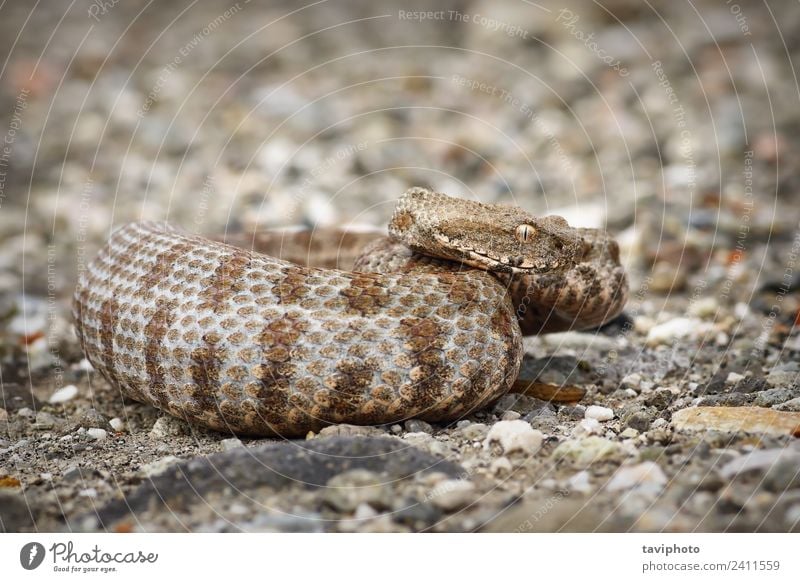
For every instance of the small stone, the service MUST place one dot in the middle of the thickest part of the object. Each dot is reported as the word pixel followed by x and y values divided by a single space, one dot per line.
pixel 677 328
pixel 117 424
pixel 26 412
pixel 514 435
pixel 3 415
pixel 350 430
pixel 92 419
pixel 792 405
pixel 474 432
pixel 646 476
pixel 64 394
pixel 45 420
pixel 233 443
pixel 85 366
pixel 734 378
pixel 350 489
pixel 580 482
pixel 759 461
pixel 91 493
pixel 629 433
pixel 416 425
pixel 750 419
pixel 511 415
pixel 599 413
pixel 364 511
pixel 638 421
pixel 631 381
pixel 588 426
pixel 501 466
pixel 584 452
pixel 97 434
pixel 452 494
pixel 168 426
pixel 158 466
pixel 396 429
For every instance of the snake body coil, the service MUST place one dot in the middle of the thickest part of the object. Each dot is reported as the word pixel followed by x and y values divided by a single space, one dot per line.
pixel 243 342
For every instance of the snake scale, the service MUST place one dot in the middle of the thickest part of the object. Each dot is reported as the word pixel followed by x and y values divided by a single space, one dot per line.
pixel 428 323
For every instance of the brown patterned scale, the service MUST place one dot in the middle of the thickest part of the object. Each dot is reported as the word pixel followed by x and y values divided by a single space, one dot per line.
pixel 241 341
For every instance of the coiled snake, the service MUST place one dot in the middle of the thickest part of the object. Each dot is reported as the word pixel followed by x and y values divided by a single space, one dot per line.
pixel 428 324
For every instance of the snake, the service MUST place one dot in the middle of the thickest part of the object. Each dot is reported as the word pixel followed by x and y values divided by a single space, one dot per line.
pixel 270 336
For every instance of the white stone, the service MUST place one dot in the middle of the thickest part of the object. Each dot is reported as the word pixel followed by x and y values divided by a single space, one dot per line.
pixel 600 413
pixel 760 461
pixel 668 331
pixel 64 394
pixel 117 424
pixel 631 381
pixel 91 493
pixel 452 494
pixel 514 435
pixel 647 475
pixel 734 378
pixel 580 482
pixel 233 443
pixel 364 511
pixel 705 307
pixel 629 433
pixel 97 434
pixel 501 465
pixel 587 426
pixel 158 466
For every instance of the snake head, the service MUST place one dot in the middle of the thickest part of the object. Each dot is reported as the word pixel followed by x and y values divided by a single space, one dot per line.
pixel 491 237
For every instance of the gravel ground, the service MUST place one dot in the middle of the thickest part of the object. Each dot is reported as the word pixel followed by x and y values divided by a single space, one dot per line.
pixel 673 127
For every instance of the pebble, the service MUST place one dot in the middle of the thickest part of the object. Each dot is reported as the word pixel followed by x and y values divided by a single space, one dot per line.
pixel 416 425
pixel 91 493
pixel 350 430
pixel 158 466
pixel 117 424
pixel 64 394
pixel 600 413
pixel 26 412
pixel 759 461
pixel 584 452
pixel 168 426
pixel 3 414
pixel 580 482
pixel 631 382
pixel 97 434
pixel 45 420
pixel 666 332
pixel 232 443
pixel 348 490
pixel 587 426
pixel 511 415
pixel 452 494
pixel 792 405
pixel 501 466
pixel 629 433
pixel 646 476
pixel 749 419
pixel 734 378
pixel 514 436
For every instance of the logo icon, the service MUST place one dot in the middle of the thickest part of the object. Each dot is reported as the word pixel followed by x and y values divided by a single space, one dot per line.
pixel 31 555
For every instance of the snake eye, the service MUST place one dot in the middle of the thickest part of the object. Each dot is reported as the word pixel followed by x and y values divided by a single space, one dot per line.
pixel 525 232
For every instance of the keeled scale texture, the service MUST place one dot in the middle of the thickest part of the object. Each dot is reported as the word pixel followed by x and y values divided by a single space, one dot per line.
pixel 243 342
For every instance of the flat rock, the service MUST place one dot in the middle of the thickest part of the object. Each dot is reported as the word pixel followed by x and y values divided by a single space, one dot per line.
pixel 514 436
pixel 751 419
pixel 307 464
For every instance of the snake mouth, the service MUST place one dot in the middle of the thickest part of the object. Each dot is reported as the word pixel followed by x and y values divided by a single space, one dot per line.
pixel 506 264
